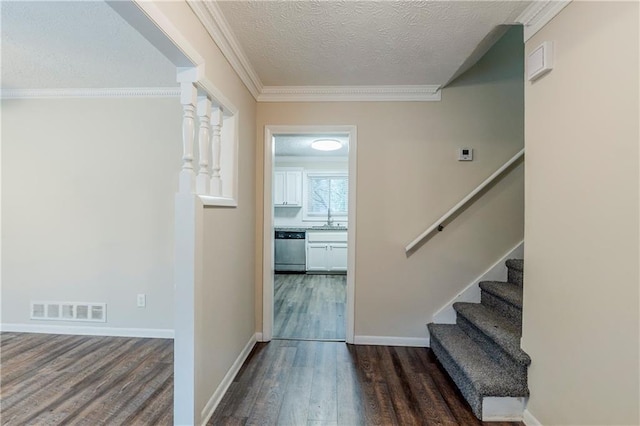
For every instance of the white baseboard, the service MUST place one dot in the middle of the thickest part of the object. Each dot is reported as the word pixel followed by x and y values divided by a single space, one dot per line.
pixel 259 337
pixel 529 420
pixel 215 399
pixel 503 409
pixel 471 293
pixel 422 342
pixel 158 333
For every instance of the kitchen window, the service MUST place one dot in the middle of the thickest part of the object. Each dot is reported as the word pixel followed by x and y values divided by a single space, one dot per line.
pixel 326 191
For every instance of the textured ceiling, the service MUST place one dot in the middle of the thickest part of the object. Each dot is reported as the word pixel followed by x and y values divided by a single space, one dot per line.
pixel 76 44
pixel 300 146
pixel 319 43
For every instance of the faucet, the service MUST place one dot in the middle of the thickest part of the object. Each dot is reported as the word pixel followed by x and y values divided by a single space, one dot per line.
pixel 329 218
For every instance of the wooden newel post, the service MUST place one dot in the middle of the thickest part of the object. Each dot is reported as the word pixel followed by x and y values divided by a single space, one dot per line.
pixel 203 180
pixel 216 128
pixel 188 94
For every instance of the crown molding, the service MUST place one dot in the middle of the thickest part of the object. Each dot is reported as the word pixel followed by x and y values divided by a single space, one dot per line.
pixel 349 93
pixel 538 14
pixel 213 20
pixel 124 92
pixel 211 17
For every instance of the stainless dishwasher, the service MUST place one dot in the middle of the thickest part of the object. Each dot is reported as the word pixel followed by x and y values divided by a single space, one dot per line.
pixel 290 251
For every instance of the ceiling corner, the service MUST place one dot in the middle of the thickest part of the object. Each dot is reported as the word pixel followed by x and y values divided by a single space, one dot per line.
pixel 213 20
pixel 538 14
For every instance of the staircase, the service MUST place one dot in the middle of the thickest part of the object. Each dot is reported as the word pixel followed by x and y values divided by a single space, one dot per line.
pixel 481 352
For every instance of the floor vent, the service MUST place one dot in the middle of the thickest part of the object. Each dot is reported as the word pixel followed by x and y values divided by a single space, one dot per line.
pixel 69 311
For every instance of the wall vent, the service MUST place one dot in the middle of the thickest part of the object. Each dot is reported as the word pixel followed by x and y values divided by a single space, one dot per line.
pixel 69 311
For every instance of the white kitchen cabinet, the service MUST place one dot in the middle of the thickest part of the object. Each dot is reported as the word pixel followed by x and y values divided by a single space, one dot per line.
pixel 326 251
pixel 317 256
pixel 287 187
pixel 337 257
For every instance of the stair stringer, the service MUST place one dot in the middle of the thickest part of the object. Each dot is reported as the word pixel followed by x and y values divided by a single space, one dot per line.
pixel 471 293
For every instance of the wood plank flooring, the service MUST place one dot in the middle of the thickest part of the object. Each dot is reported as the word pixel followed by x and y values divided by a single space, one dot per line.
pixel 310 307
pixel 85 380
pixel 294 383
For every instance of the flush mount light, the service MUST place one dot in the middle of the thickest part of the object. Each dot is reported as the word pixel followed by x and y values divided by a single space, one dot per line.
pixel 326 144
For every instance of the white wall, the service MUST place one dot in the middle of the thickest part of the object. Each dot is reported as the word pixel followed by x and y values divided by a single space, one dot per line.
pixel 293 216
pixel 581 316
pixel 408 176
pixel 224 313
pixel 87 206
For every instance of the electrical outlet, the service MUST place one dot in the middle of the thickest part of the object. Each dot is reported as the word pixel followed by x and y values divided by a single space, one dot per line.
pixel 142 300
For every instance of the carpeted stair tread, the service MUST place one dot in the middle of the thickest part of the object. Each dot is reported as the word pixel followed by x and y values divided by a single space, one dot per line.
pixel 515 271
pixel 487 377
pixel 481 352
pixel 508 292
pixel 517 264
pixel 498 328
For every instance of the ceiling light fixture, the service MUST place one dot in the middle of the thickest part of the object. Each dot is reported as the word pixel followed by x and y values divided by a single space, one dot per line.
pixel 326 144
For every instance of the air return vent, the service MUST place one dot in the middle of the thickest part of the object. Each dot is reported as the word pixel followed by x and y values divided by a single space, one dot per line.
pixel 69 311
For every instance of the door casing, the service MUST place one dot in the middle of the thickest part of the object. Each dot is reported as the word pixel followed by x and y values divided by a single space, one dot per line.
pixel 267 238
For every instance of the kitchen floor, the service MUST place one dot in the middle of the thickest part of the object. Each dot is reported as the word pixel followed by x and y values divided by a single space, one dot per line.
pixel 309 307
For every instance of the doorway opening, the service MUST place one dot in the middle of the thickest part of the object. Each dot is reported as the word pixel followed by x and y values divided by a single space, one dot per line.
pixel 309 235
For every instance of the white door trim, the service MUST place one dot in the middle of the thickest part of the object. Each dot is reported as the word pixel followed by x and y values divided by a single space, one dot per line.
pixel 267 237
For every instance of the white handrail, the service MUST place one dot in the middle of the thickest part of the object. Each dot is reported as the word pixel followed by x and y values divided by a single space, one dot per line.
pixel 464 201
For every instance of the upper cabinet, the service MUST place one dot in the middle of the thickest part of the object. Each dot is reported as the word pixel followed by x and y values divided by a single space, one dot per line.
pixel 287 187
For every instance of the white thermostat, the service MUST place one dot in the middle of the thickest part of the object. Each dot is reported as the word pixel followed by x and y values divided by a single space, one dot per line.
pixel 465 154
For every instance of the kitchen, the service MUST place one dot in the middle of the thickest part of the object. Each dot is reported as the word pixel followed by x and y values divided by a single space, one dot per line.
pixel 310 199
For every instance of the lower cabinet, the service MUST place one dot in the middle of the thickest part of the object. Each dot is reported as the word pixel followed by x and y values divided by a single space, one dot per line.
pixel 317 255
pixel 327 252
pixel 337 257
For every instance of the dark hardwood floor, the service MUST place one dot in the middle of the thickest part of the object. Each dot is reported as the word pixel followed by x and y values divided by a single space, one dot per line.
pixel 84 380
pixel 310 307
pixel 287 382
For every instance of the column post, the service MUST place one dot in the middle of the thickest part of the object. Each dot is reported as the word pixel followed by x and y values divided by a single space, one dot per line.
pixel 216 128
pixel 188 95
pixel 203 180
